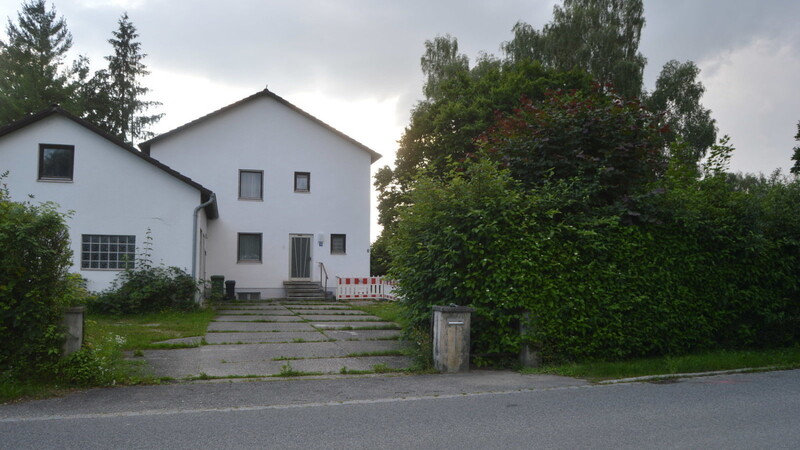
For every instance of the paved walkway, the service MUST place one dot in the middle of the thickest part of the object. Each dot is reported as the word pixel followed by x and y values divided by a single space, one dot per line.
pixel 285 337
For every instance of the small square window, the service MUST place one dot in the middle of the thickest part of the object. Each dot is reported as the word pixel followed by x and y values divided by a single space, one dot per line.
pixel 302 182
pixel 338 244
pixel 251 184
pixel 249 247
pixel 56 162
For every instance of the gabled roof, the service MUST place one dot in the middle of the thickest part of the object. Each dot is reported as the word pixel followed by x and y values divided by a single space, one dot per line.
pixel 205 193
pixel 145 146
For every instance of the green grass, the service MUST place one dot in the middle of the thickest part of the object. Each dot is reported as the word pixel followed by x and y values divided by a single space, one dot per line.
pixel 142 331
pixel 376 353
pixel 786 358
pixel 389 311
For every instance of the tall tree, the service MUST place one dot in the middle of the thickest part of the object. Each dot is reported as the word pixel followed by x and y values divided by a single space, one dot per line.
pixel 796 156
pixel 33 72
pixel 598 36
pixel 677 96
pixel 127 116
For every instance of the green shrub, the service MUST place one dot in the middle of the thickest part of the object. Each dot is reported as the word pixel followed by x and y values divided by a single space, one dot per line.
pixel 148 289
pixel 98 364
pixel 715 266
pixel 34 244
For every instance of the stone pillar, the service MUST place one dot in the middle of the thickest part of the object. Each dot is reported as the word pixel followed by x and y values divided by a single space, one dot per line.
pixel 529 356
pixel 451 338
pixel 73 326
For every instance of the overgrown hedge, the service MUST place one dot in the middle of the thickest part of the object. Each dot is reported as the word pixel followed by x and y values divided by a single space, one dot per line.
pixel 715 266
pixel 34 258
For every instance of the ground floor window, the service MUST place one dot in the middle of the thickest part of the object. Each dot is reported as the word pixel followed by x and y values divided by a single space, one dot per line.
pixel 249 247
pixel 108 251
pixel 338 244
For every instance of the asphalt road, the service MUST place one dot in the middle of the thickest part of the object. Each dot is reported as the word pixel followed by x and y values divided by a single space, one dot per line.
pixel 727 411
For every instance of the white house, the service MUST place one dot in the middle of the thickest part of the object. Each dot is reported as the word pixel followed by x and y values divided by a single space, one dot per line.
pixel 119 197
pixel 259 192
pixel 293 193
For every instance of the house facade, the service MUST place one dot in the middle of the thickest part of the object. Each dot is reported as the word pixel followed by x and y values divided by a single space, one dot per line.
pixel 259 192
pixel 293 193
pixel 118 198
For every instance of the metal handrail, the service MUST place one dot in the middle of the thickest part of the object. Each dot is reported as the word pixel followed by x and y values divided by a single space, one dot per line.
pixel 322 270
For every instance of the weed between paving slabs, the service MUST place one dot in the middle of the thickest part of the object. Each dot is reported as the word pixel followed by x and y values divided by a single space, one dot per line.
pixel 286 338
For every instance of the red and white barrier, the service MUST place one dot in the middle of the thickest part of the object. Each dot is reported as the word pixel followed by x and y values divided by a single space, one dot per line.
pixel 365 288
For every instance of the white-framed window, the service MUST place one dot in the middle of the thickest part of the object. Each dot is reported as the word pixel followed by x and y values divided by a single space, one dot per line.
pixel 302 182
pixel 108 251
pixel 338 244
pixel 251 184
pixel 56 162
pixel 249 247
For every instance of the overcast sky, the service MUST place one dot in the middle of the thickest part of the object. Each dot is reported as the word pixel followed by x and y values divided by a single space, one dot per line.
pixel 355 63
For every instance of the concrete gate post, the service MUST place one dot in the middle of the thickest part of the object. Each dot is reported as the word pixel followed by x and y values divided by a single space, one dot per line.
pixel 451 338
pixel 73 325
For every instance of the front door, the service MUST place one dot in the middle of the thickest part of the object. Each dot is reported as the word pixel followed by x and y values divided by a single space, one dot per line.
pixel 300 262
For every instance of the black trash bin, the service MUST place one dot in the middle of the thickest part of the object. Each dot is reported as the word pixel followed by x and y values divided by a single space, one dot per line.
pixel 230 290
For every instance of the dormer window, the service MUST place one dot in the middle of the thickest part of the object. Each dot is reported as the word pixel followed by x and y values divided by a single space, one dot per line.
pixel 56 162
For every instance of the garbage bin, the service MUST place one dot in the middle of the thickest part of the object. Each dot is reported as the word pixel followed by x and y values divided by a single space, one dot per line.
pixel 451 338
pixel 217 287
pixel 230 290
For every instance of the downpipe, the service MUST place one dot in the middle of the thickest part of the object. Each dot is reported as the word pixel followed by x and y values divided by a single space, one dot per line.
pixel 194 233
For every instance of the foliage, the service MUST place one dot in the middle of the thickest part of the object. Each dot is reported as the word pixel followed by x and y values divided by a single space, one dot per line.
pixel 677 97
pixel 717 269
pixel 33 74
pixel 379 257
pixel 721 360
pixel 445 126
pixel 34 242
pixel 610 145
pixel 600 37
pixel 147 289
pixel 96 364
pixel 796 155
pixel 119 91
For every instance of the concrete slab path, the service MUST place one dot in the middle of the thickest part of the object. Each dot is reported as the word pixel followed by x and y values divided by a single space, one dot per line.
pixel 285 338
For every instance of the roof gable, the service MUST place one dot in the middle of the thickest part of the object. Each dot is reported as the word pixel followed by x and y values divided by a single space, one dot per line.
pixel 145 146
pixel 205 193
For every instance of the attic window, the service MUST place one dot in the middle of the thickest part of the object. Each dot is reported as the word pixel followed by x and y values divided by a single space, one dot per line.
pixel 302 182
pixel 56 162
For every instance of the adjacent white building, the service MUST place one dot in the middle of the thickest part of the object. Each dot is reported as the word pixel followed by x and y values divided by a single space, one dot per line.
pixel 118 197
pixel 279 195
pixel 293 193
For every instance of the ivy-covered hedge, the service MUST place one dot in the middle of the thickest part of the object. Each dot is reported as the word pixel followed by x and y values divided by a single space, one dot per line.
pixel 715 266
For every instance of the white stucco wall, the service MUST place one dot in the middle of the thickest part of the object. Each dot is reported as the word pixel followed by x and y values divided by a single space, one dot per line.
pixel 112 193
pixel 264 134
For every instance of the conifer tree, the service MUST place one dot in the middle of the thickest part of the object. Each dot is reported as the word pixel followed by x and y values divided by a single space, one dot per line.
pixel 33 72
pixel 125 107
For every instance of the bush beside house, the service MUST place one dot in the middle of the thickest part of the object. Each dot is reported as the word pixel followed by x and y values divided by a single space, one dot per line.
pixel 34 242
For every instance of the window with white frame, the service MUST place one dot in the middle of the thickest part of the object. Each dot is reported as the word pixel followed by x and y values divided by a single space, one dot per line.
pixel 302 182
pixel 251 184
pixel 105 251
pixel 56 162
pixel 338 244
pixel 249 247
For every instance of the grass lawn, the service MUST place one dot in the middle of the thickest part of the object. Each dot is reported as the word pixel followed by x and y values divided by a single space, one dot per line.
pixel 785 358
pixel 141 331
pixel 386 310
